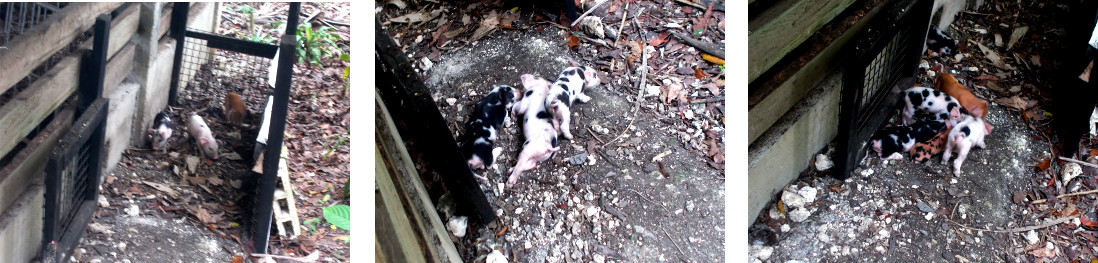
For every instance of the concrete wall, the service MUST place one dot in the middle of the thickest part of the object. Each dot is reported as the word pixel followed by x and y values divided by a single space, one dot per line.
pixel 783 151
pixel 119 123
pixel 21 225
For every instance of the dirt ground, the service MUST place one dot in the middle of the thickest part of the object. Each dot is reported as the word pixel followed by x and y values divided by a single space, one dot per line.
pixel 614 203
pixel 1010 204
pixel 181 207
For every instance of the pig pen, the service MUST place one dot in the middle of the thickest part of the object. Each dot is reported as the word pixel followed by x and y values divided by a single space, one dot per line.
pixel 1012 201
pixel 632 186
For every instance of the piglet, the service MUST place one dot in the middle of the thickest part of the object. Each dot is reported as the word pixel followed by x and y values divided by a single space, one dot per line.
pixel 489 114
pixel 541 136
pixel 938 43
pixel 962 137
pixel 977 107
pixel 234 108
pixel 161 131
pixel 923 151
pixel 932 104
pixel 566 90
pixel 890 142
pixel 202 136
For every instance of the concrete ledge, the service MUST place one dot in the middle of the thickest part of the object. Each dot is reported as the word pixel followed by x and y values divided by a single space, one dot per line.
pixel 783 151
pixel 119 123
pixel 21 224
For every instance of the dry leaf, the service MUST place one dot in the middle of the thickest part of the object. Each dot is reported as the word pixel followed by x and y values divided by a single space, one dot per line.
pixel 573 41
pixel 659 40
pixel 489 24
pixel 1043 252
pixel 203 215
pixel 699 74
pixel 1044 164
pixel 1013 102
pixel 1087 223
pixel 714 60
pixel 163 188
pixel 713 88
pixel 238 259
pixel 1093 152
pixel 409 18
pixel 672 92
pixel 592 25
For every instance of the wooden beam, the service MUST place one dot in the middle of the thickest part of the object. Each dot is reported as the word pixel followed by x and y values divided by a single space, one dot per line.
pixel 785 149
pixel 783 27
pixel 392 154
pixel 778 95
pixel 122 29
pixel 118 68
pixel 43 40
pixel 29 162
pixel 28 108
pixel 395 236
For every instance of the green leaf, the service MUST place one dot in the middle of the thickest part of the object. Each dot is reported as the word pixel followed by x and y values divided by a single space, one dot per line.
pixel 345 57
pixel 326 198
pixel 339 216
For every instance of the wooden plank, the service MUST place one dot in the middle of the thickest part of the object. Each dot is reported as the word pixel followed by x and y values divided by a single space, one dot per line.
pixel 394 235
pixel 118 68
pixel 19 173
pixel 785 149
pixel 43 40
pixel 783 27
pixel 407 181
pixel 777 101
pixel 165 22
pixel 27 109
pixel 122 29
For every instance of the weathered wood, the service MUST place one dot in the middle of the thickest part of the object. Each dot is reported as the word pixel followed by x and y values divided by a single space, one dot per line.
pixel 117 69
pixel 122 29
pixel 27 109
pixel 26 52
pixel 393 155
pixel 29 162
pixel 395 237
pixel 783 27
pixel 775 99
pixel 785 149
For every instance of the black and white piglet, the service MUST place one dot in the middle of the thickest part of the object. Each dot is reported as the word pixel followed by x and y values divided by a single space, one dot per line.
pixel 161 131
pixel 489 114
pixel 968 133
pixel 939 43
pixel 567 89
pixel 930 104
pixel 890 142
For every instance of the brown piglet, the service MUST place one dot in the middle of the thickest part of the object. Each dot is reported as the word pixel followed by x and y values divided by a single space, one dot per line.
pixel 977 107
pixel 234 108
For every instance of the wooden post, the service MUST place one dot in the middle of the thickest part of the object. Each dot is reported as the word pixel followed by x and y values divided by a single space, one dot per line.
pixel 179 31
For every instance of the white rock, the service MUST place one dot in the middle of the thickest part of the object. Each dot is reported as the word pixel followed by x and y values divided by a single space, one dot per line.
pixel 823 162
pixel 799 215
pixel 792 198
pixel 1070 171
pixel 785 228
pixel 599 258
pixel 192 163
pixel 133 210
pixel 518 210
pixel 809 193
pixel 458 225
pixel 122 246
pixel 653 91
pixel 981 31
pixel 103 201
pixel 929 216
pixel 761 252
pixel 591 211
pixel 427 64
pixel 923 64
pixel 451 101
pixel 867 172
pixel 1032 237
pixel 496 257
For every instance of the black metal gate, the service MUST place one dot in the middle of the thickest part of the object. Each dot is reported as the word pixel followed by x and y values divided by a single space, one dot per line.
pixel 883 63
pixel 73 169
pixel 259 53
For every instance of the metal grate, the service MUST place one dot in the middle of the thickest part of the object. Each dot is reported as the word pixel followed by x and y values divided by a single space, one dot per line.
pixel 884 63
pixel 17 18
pixel 72 177
pixel 222 63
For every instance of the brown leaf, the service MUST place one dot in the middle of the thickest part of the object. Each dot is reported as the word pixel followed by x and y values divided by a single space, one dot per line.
pixel 713 149
pixel 672 92
pixel 489 24
pixel 1015 102
pixel 1086 222
pixel 713 88
pixel 1019 196
pixel 573 41
pixel 659 40
pixel 238 259
pixel 1044 164
pixel 1093 152
pixel 203 215
pixel 163 188
pixel 699 74
pixel 1043 252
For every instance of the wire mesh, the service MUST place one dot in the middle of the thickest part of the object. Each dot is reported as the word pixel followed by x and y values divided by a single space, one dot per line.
pixel 222 64
pixel 19 17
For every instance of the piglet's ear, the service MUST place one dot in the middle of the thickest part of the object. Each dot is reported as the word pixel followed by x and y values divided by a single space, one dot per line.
pixel 204 140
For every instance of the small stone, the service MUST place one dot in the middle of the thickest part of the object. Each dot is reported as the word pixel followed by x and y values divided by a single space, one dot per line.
pixel 924 207
pixel 578 159
pixel 982 31
pixel 690 205
pixel 653 91
pixel 496 257
pixel 103 201
pixel 929 216
pixel 427 64
pixel 1070 171
pixel 451 101
pixel 458 225
pixel 236 183
pixel 518 211
pixel 133 210
pixel 192 163
pixel 1032 237
pixel 761 252
pixel 923 64
pixel 785 228
pixel 591 211
pixel 122 246
pixel 173 155
pixel 527 244
pixel 867 172
pixel 799 215
pixel 823 162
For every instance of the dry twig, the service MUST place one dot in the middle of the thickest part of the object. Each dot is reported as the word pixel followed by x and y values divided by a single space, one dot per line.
pixel 597 4
pixel 1020 229
pixel 1078 162
pixel 1041 201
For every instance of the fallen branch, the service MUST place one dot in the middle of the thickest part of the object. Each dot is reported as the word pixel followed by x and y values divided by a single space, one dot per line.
pixel 624 14
pixel 597 4
pixel 702 46
pixel 312 257
pixel 707 100
pixel 1020 229
pixel 664 230
pixel 1041 201
pixel 1078 162
pixel 690 4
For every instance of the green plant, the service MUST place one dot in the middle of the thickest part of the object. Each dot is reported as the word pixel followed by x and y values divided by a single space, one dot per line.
pixel 311 223
pixel 342 139
pixel 314 44
pixel 339 216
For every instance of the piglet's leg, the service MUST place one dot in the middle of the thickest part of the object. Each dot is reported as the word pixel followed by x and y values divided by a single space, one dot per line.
pixel 582 97
pixel 564 114
pixel 961 155
pixel 948 151
pixel 895 156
